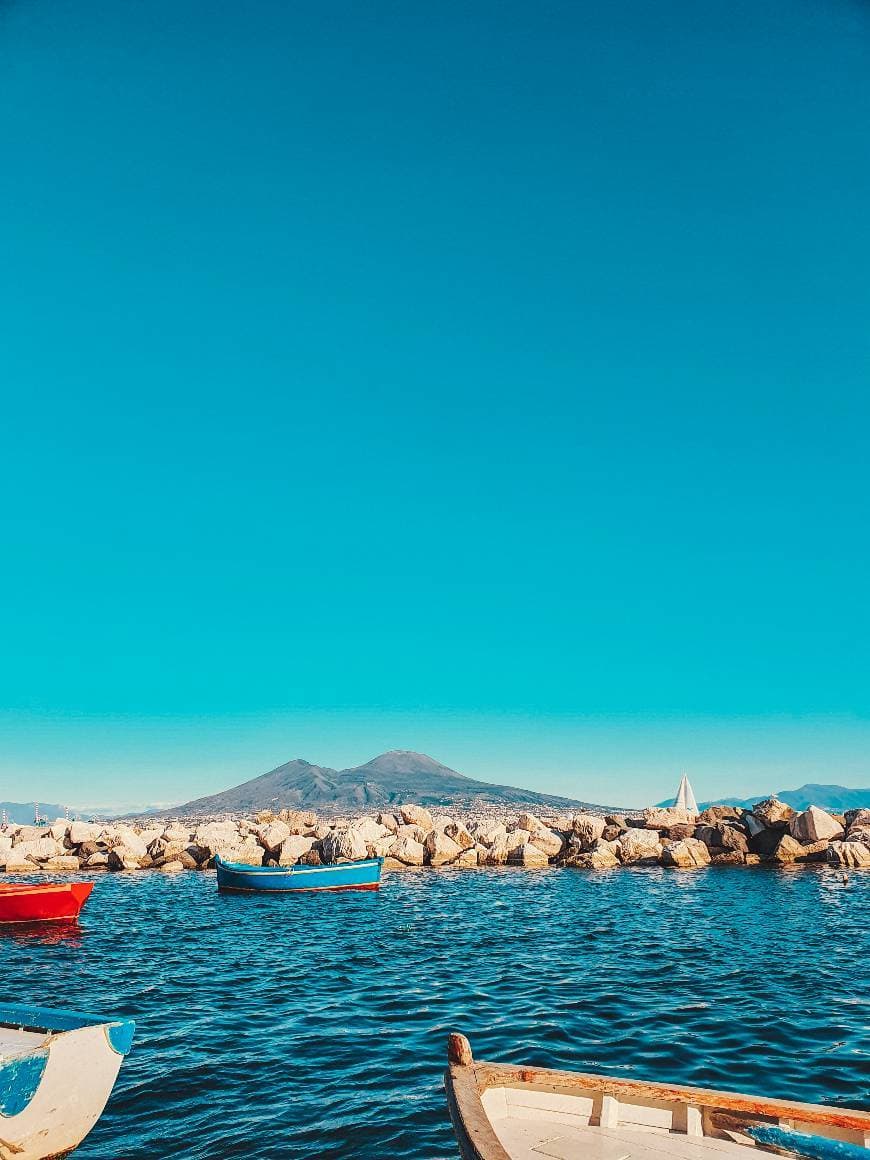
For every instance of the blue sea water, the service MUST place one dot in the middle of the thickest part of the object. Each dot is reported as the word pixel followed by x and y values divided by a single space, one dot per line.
pixel 315 1025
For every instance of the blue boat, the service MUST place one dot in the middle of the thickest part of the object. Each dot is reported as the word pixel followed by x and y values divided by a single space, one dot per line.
pixel 237 878
pixel 57 1069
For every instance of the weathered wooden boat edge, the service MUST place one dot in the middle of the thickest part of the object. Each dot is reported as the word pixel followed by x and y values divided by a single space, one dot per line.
pixel 466 1081
pixel 57 1072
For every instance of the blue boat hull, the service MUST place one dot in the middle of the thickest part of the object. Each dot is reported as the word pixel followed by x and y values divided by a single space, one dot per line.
pixel 235 877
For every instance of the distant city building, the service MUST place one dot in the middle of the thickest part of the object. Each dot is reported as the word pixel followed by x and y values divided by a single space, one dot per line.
pixel 685 798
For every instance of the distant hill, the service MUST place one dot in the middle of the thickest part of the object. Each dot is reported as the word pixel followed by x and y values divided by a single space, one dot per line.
pixel 22 812
pixel 836 798
pixel 386 781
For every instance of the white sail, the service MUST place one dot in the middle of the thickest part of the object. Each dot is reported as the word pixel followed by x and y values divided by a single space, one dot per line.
pixel 685 798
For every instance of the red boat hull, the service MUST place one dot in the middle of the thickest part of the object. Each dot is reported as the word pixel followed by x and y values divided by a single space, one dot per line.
pixel 34 902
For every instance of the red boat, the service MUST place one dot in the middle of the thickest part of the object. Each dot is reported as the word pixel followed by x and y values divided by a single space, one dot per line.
pixel 43 902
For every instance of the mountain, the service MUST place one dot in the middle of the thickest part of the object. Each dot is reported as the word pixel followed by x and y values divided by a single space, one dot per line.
pixel 835 798
pixel 384 782
pixel 22 812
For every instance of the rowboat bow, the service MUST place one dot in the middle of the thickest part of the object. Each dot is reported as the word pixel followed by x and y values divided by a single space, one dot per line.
pixel 57 1070
pixel 528 1113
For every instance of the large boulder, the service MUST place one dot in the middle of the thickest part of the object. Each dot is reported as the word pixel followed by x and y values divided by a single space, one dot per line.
pixel 722 836
pixel 273 835
pixel 126 837
pixel 855 818
pixel 773 813
pixel 853 854
pixel 294 848
pixel 299 821
pixel 528 855
pixel 603 856
pixel 176 832
pixel 345 845
pixel 41 849
pixel 496 854
pixel 530 822
pixel 63 862
pixel 99 860
pixel 460 835
pixel 547 841
pixel 639 846
pixel 407 851
pixel 412 831
pixel 815 825
pixel 657 818
pixel 765 842
pixel 713 814
pixel 687 854
pixel 488 832
pixel 389 821
pixel 720 857
pixel 467 859
pixel 417 816
pixel 517 838
pixel 370 830
pixel 80 832
pixel 440 850
pixel 588 828
pixel 788 849
pixel 121 857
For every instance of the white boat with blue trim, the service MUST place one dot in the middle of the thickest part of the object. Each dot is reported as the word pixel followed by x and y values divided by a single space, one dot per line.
pixel 506 1112
pixel 239 878
pixel 57 1070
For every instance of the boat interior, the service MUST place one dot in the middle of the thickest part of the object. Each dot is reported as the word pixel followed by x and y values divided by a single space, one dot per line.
pixel 533 1121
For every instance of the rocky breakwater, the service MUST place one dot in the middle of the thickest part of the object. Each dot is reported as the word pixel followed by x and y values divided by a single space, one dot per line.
pixel 412 837
pixel 771 832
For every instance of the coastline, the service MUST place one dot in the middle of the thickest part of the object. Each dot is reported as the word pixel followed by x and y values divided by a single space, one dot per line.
pixel 412 837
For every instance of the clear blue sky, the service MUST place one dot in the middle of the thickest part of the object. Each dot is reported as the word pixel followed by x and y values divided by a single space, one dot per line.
pixel 484 378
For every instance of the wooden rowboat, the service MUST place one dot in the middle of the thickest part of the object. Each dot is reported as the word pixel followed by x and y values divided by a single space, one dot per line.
pixel 43 902
pixel 531 1113
pixel 237 878
pixel 57 1070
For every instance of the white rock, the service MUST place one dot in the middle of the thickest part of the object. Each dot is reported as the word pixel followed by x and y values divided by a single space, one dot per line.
pixel 587 827
pixel 83 832
pixel 370 830
pixel 171 867
pixel 343 846
pixel 175 832
pixel 294 847
pixel 389 821
pixel 528 855
pixel 854 854
pixel 658 818
pixel 488 832
pixel 128 838
pixel 547 841
pixel 62 862
pixel 99 860
pixel 441 849
pixel 417 816
pixel 687 853
pixel 273 835
pixel 408 851
pixel 815 825
pixel 460 835
pixel 638 845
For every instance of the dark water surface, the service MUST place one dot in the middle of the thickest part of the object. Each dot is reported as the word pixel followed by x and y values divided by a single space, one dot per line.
pixel 315 1025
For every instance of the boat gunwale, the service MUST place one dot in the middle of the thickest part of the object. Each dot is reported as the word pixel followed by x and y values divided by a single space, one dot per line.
pixel 286 871
pixel 466 1081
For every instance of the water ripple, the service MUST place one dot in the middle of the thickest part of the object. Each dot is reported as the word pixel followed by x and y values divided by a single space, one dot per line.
pixel 315 1026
